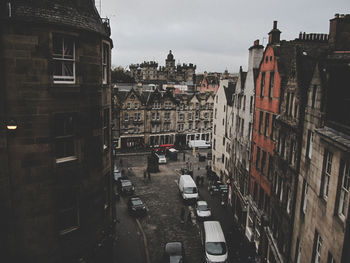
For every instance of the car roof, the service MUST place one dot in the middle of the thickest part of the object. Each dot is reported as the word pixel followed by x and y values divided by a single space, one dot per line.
pixel 173 248
pixel 133 198
pixel 202 203
pixel 213 231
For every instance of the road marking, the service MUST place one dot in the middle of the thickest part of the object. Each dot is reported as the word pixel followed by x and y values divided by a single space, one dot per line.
pixel 144 240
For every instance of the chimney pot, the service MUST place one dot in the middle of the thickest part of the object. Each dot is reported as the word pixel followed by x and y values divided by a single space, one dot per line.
pixel 256 42
pixel 336 15
pixel 274 24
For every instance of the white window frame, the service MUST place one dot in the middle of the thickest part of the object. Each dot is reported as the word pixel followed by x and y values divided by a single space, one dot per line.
pixel 344 190
pixel 61 57
pixel 105 63
pixel 318 249
pixel 304 201
pixel 327 173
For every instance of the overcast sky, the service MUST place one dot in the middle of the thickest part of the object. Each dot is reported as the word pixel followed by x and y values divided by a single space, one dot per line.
pixel 213 34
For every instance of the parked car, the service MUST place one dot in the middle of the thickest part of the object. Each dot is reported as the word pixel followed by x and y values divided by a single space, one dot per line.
pixel 136 206
pixel 174 253
pixel 117 174
pixel 218 187
pixel 203 210
pixel 126 187
pixel 161 158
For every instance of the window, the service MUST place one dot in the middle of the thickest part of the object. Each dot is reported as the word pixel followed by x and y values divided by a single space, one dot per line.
pixel 262 88
pixel 318 248
pixel 214 129
pixel 214 143
pixel 330 258
pixel 156 105
pixel 249 130
pixel 197 106
pixel 263 161
pixel 153 115
pixel 292 152
pixel 105 128
pixel 197 115
pixel 126 116
pixel 260 121
pixel 288 201
pixel 313 98
pixel 251 104
pixel 223 141
pixel 68 210
pixel 181 117
pixel 304 197
pixel 64 132
pixel 281 190
pixel 166 126
pixel 287 103
pixel 326 173
pixel 271 83
pixel 223 158
pixel 272 134
pixel 105 63
pixel 189 116
pixel 216 111
pixel 190 126
pixel 128 106
pixel 291 104
pixel 276 183
pixel 64 59
pixel 242 127
pixel 267 120
pixel 206 115
pixel 244 100
pixel 167 116
pixel 158 116
pixel 344 176
pixel 136 106
pixel 309 144
pixel 257 157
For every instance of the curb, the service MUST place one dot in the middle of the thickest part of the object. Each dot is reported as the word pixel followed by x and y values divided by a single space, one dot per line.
pixel 144 241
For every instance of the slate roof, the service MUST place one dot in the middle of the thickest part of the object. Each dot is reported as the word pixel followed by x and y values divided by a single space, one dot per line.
pixel 81 15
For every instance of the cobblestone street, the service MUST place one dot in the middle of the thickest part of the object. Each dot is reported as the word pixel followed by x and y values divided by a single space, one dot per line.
pixel 161 196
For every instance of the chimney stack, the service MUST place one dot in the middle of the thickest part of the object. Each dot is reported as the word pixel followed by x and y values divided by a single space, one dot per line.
pixel 274 34
pixel 339 32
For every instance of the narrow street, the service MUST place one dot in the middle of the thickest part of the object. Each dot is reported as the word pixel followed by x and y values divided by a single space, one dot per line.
pixel 162 223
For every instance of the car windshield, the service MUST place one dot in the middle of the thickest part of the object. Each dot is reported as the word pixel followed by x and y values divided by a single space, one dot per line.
pixel 136 202
pixel 215 248
pixel 203 207
pixel 190 190
pixel 126 183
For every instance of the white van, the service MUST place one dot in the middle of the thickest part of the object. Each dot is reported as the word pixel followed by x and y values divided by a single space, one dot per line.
pixel 199 144
pixel 188 188
pixel 214 242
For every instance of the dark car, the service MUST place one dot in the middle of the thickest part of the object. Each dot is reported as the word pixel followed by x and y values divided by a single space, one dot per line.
pixel 125 187
pixel 223 188
pixel 174 253
pixel 218 188
pixel 136 206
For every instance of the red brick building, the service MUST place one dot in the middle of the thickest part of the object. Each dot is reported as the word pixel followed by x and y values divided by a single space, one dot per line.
pixel 266 109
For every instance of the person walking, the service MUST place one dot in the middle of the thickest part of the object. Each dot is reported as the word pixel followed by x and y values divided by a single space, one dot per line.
pixel 149 176
pixel 202 180
pixel 198 180
pixel 144 175
pixel 182 215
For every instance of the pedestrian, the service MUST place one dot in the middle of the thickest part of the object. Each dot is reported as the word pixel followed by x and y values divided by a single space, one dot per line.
pixel 144 174
pixel 202 180
pixel 149 176
pixel 121 162
pixel 182 215
pixel 184 156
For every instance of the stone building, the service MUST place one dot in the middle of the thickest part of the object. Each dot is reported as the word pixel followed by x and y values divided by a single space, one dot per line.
pixel 222 123
pixel 56 200
pixel 283 167
pixel 321 224
pixel 162 117
pixel 242 117
pixel 149 72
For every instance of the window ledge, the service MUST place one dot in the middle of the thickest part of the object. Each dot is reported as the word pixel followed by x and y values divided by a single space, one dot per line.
pixel 66 159
pixel 68 230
